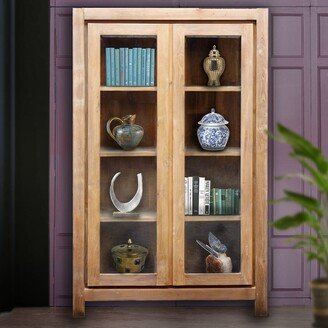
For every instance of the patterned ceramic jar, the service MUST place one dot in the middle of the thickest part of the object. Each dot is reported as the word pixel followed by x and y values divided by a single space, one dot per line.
pixel 213 134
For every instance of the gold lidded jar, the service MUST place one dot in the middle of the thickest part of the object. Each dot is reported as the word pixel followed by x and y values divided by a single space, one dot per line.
pixel 129 258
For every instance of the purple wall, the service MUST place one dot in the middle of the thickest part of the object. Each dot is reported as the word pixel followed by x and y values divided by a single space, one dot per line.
pixel 298 97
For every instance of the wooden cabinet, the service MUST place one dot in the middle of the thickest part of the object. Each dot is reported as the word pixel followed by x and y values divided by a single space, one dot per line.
pixel 169 152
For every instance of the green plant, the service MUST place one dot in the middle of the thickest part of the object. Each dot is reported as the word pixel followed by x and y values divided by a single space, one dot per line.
pixel 314 211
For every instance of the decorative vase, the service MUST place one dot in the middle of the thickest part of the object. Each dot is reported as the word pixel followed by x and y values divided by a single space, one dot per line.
pixel 127 135
pixel 320 302
pixel 213 134
pixel 220 264
pixel 129 258
pixel 214 66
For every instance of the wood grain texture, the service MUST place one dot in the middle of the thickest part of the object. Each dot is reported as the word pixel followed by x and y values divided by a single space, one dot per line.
pixel 261 164
pixel 79 113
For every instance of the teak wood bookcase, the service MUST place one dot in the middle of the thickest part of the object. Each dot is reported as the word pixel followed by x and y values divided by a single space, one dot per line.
pixel 169 152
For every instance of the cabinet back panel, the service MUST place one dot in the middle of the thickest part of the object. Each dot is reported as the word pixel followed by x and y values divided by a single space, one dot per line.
pixel 198 104
pixel 121 103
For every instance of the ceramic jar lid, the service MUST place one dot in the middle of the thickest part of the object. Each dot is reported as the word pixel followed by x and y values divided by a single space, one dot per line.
pixel 213 119
pixel 129 250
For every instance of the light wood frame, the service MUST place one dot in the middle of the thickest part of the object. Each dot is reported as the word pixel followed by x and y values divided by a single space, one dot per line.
pixel 82 19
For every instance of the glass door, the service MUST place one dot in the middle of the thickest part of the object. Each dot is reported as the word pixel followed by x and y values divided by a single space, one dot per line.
pixel 128 132
pixel 213 154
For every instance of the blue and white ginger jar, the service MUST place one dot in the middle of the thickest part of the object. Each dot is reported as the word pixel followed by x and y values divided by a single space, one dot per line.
pixel 213 134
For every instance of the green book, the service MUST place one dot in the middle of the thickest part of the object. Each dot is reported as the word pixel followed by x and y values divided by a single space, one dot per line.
pixel 223 201
pixel 217 201
pixel 212 202
pixel 233 205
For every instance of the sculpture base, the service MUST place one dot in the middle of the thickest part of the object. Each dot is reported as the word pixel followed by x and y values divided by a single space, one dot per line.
pixel 125 214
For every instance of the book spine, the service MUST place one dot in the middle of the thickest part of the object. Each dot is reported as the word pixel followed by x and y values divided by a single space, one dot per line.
pixel 112 66
pixel 143 67
pixel 122 78
pixel 134 66
pixel 108 76
pixel 223 203
pixel 126 66
pixel 201 201
pixel 217 201
pixel 195 200
pixel 229 201
pixel 237 201
pixel 233 205
pixel 147 79
pixel 130 52
pixel 207 197
pixel 117 67
pixel 186 196
pixel 152 67
pixel 190 185
pixel 212 201
pixel 138 66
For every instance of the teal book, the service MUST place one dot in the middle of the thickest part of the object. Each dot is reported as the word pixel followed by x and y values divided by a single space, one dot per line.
pixel 126 66
pixel 147 82
pixel 229 201
pixel 217 203
pixel 112 66
pixel 223 201
pixel 195 193
pixel 152 67
pixel 138 66
pixel 130 70
pixel 122 78
pixel 233 205
pixel 134 66
pixel 108 73
pixel 237 201
pixel 117 67
pixel 143 67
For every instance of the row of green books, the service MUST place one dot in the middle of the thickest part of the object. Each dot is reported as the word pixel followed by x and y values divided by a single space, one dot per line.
pixel 130 67
pixel 225 201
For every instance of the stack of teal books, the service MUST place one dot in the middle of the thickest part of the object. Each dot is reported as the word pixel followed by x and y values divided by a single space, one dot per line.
pixel 225 201
pixel 130 67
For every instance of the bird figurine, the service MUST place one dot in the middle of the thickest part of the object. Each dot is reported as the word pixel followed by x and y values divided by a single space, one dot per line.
pixel 217 261
pixel 214 66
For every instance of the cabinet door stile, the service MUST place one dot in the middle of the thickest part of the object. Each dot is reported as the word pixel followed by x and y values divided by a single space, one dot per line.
pixel 93 142
pixel 247 151
pixel 164 162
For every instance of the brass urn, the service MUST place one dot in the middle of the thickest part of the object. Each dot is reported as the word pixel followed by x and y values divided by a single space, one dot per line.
pixel 214 66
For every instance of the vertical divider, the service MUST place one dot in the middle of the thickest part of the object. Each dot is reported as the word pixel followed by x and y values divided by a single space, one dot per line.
pixel 178 154
pixel 164 162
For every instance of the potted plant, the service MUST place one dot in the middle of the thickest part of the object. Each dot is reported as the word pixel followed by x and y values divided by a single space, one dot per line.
pixel 314 213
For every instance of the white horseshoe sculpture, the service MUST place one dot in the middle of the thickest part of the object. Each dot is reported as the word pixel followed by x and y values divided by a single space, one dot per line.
pixel 133 203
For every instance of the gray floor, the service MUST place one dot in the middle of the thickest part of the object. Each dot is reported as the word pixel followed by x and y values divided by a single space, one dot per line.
pixel 158 317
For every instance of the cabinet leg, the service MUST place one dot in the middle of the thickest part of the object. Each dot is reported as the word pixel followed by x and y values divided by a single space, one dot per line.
pixel 78 307
pixel 261 307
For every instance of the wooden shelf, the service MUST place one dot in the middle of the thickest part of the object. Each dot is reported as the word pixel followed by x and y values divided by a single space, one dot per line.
pixel 211 218
pixel 143 217
pixel 213 89
pixel 230 151
pixel 141 152
pixel 105 88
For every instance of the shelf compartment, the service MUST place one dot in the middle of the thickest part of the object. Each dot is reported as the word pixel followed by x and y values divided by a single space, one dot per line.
pixel 121 103
pixel 126 183
pixel 106 216
pixel 126 41
pixel 224 172
pixel 199 88
pixel 211 218
pixel 116 233
pixel 197 49
pixel 227 232
pixel 230 151
pixel 127 88
pixel 139 151
pixel 198 104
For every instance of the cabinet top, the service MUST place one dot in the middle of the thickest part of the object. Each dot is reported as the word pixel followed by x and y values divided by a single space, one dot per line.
pixel 171 14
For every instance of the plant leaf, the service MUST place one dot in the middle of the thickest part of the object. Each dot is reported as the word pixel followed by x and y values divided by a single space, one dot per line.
pixel 304 148
pixel 293 221
pixel 311 204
